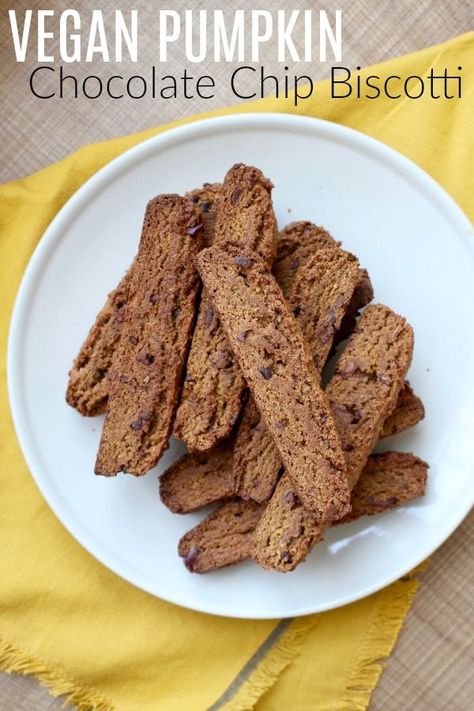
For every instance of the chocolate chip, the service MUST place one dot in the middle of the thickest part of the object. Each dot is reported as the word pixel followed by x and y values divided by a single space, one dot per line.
pixel 235 197
pixel 136 425
pixel 205 206
pixel 191 558
pixel 223 359
pixel 243 335
pixel 206 185
pixel 154 297
pixel 297 310
pixel 242 261
pixel 118 317
pixel 290 499
pixel 285 557
pixel 349 368
pixel 326 333
pixel 266 372
pixel 146 358
pixel 195 228
pixel 133 340
pixel 208 316
pixel 295 263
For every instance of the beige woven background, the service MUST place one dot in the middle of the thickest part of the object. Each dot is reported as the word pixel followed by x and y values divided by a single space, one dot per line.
pixel 432 667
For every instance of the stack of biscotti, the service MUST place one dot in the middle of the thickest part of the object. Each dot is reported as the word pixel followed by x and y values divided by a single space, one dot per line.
pixel 156 342
pixel 261 514
pixel 219 333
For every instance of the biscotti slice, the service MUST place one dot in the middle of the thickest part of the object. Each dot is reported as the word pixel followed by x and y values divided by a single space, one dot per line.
pixel 408 412
pixel 149 360
pixel 363 295
pixel 387 480
pixel 320 297
pixel 214 387
pixel 88 387
pixel 280 372
pixel 297 243
pixel 362 392
pixel 367 382
pixel 206 199
pixel 198 479
pixel 223 538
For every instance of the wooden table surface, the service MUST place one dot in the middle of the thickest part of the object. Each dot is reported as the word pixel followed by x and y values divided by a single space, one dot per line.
pixel 432 666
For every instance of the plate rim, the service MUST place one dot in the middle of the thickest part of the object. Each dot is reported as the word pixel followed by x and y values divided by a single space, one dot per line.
pixel 54 233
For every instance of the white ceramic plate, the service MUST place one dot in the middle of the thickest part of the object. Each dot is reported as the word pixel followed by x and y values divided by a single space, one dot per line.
pixel 417 246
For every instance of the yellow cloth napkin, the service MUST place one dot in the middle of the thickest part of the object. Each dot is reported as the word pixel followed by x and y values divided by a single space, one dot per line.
pixel 88 634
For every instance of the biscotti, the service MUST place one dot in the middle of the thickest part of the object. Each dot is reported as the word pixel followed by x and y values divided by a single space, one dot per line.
pixel 198 479
pixel 320 297
pixel 297 243
pixel 214 387
pixel 148 364
pixel 362 392
pixel 387 480
pixel 223 538
pixel 408 412
pixel 88 386
pixel 280 372
pixel 206 198
pixel 367 381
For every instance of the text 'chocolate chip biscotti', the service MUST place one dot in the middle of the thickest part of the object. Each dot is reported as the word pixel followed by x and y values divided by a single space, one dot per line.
pixel 88 386
pixel 148 364
pixel 319 300
pixel 213 390
pixel 362 392
pixel 280 372
pixel 387 480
